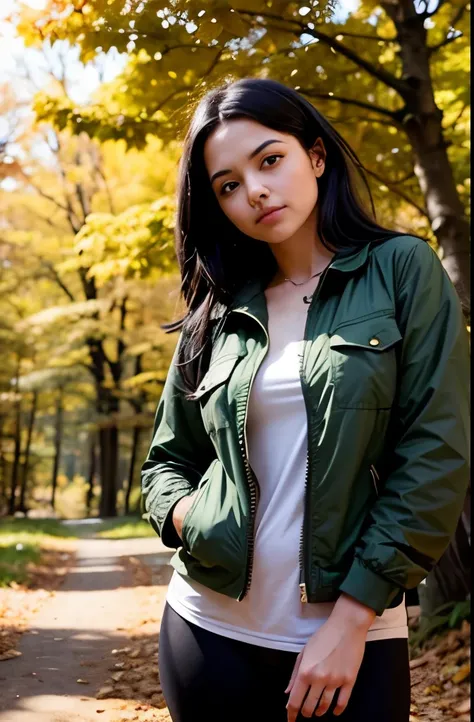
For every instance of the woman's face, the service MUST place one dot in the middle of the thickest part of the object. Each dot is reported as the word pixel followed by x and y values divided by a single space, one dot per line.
pixel 253 168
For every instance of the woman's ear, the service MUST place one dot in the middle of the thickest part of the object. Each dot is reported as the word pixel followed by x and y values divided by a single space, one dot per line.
pixel 317 155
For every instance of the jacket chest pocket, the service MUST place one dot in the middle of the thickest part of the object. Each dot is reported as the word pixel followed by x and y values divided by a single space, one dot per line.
pixel 215 390
pixel 364 362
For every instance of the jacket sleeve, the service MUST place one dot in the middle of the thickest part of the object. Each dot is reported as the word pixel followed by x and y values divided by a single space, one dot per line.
pixel 179 453
pixel 427 477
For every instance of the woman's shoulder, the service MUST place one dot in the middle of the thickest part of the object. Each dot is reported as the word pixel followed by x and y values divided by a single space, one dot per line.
pixel 401 246
pixel 405 254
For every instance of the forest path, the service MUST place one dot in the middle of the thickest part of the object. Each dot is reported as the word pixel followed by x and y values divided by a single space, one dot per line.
pixel 95 611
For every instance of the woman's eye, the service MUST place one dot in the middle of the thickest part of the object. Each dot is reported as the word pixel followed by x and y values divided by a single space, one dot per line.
pixel 230 185
pixel 226 189
pixel 272 158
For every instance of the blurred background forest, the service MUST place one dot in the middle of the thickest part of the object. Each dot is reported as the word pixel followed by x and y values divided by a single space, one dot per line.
pixel 95 96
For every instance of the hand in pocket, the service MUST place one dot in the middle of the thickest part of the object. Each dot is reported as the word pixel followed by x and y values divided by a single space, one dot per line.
pixel 180 510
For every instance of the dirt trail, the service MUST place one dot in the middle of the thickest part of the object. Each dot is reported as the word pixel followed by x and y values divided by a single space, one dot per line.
pixel 75 631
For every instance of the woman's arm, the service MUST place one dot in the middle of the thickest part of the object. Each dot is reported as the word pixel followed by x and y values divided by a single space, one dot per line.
pixel 179 454
pixel 422 497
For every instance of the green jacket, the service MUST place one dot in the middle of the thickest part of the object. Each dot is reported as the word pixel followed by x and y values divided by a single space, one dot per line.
pixel 385 379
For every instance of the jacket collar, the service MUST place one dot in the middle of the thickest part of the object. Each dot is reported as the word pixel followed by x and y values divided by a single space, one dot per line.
pixel 345 261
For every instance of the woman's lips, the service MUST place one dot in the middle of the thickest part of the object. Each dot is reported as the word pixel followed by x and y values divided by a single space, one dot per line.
pixel 273 216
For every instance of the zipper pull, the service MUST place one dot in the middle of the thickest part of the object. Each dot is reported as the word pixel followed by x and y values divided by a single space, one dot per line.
pixel 303 594
pixel 375 478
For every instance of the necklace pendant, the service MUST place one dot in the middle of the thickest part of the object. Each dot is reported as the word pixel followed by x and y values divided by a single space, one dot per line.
pixel 307 299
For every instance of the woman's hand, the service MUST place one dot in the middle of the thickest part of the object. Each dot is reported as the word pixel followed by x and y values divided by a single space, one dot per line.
pixel 180 510
pixel 330 660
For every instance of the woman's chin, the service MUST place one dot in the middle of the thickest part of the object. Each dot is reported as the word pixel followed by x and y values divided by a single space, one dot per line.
pixel 278 235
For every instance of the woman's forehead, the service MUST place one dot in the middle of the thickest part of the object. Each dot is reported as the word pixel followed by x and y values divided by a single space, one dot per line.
pixel 237 139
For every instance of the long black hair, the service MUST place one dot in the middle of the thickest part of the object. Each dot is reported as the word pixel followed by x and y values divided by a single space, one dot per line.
pixel 214 257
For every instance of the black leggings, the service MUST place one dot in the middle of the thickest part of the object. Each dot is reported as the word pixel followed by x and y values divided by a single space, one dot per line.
pixel 209 677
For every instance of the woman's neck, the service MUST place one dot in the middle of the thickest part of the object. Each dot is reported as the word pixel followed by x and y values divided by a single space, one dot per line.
pixel 301 256
pixel 299 261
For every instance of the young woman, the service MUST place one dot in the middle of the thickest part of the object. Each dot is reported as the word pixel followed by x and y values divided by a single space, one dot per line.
pixel 309 456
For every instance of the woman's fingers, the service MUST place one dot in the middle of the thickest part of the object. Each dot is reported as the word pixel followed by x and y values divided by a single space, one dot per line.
pixel 311 700
pixel 343 699
pixel 294 673
pixel 325 701
pixel 298 693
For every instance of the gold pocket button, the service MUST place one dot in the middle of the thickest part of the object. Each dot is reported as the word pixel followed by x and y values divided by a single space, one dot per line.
pixel 374 341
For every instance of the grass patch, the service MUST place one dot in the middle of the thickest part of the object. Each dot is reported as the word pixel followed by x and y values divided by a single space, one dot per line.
pixel 125 528
pixel 24 530
pixel 22 540
pixel 14 559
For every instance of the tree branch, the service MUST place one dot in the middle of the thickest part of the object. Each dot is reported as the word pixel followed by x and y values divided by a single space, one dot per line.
pixel 101 173
pixel 185 89
pixel 52 272
pixel 81 193
pixel 392 114
pixel 42 193
pixel 56 277
pixel 360 119
pixel 459 115
pixel 460 12
pixel 45 219
pixel 379 73
pixel 393 187
pixel 447 41
pixel 74 221
pixel 368 37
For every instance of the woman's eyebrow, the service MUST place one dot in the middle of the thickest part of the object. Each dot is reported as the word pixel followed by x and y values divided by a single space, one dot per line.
pixel 252 155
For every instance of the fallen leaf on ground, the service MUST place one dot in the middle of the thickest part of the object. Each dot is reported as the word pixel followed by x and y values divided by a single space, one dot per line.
pixel 9 654
pixel 463 707
pixel 462 674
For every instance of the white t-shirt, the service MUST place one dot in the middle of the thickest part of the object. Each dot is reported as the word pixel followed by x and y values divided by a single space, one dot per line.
pixel 271 614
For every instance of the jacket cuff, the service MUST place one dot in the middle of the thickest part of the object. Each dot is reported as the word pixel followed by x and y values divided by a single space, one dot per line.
pixel 369 588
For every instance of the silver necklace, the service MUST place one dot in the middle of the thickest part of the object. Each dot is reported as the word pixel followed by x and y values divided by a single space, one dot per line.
pixel 303 282
pixel 306 299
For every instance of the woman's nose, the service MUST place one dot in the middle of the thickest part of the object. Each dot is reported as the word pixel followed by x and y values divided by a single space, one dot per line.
pixel 257 192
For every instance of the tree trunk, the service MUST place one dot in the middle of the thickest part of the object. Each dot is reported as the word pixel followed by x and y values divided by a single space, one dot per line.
pixel 422 120
pixel 444 206
pixel 108 407
pixel 131 471
pixel 57 444
pixel 17 445
pixel 108 443
pixel 24 478
pixel 92 467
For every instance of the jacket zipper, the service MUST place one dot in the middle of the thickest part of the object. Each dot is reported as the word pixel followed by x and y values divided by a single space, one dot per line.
pixel 251 478
pixel 375 478
pixel 303 566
